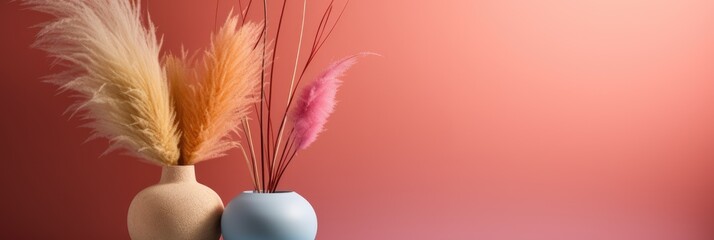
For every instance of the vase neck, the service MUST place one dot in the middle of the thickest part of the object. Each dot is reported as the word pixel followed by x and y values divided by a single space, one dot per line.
pixel 171 174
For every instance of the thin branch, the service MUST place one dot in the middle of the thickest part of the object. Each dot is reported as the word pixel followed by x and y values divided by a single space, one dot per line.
pixel 321 27
pixel 318 35
pixel 286 148
pixel 247 162
pixel 245 12
pixel 270 91
pixel 313 53
pixel 262 90
pixel 280 175
pixel 324 40
pixel 275 50
pixel 292 81
pixel 249 137
pixel 293 89
pixel 333 26
pixel 289 143
pixel 317 50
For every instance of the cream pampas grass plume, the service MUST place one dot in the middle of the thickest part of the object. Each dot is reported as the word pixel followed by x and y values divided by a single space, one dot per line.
pixel 226 86
pixel 113 66
pixel 317 101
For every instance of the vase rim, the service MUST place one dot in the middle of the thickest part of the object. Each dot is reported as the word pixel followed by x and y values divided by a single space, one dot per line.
pixel 276 192
pixel 178 166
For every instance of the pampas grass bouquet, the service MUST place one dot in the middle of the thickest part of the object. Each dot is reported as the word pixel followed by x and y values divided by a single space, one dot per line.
pixel 170 109
pixel 174 111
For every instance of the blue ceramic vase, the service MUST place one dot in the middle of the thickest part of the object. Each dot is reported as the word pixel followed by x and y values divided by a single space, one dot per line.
pixel 269 216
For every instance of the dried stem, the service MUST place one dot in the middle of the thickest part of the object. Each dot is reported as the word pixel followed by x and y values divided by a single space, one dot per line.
pixel 282 171
pixel 275 50
pixel 292 81
pixel 288 148
pixel 245 12
pixel 275 155
pixel 247 162
pixel 262 91
pixel 249 137
pixel 285 160
pixel 270 91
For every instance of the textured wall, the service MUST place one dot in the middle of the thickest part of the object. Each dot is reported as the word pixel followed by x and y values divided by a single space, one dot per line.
pixel 501 120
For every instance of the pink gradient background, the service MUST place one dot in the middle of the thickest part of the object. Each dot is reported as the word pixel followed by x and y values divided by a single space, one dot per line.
pixel 501 120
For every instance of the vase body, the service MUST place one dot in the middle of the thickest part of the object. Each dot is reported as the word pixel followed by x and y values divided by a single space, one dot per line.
pixel 176 208
pixel 269 216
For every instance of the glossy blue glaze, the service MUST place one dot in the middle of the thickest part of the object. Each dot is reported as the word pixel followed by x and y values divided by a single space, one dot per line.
pixel 269 216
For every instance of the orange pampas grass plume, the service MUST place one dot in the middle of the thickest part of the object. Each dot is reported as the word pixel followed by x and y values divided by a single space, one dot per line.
pixel 214 105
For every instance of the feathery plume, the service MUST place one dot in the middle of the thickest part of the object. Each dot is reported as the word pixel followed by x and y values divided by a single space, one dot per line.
pixel 209 110
pixel 317 101
pixel 113 65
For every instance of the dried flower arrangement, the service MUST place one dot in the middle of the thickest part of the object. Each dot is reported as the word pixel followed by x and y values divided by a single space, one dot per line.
pixel 170 110
pixel 304 115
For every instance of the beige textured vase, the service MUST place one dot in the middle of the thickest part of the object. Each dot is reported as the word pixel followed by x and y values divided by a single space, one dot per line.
pixel 176 208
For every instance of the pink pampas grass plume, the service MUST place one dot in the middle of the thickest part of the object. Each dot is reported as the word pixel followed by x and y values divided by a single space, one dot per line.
pixel 317 101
